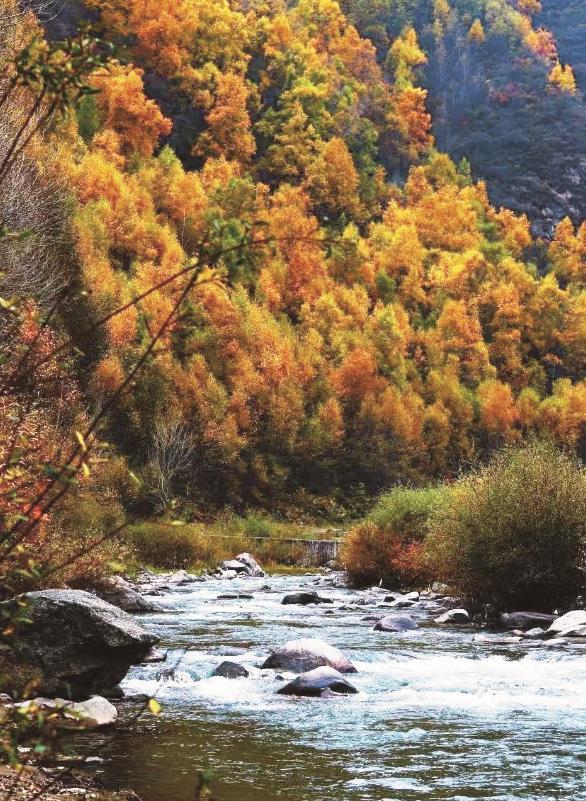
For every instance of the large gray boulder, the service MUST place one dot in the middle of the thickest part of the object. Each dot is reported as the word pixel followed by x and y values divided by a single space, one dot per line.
pixel 118 591
pixel 315 683
pixel 525 620
pixel 572 624
pixel 72 643
pixel 396 623
pixel 307 654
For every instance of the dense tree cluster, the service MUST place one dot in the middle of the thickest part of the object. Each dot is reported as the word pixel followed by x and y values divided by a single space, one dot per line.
pixel 358 327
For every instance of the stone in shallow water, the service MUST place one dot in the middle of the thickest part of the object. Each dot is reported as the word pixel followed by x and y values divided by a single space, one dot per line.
pixel 91 714
pixel 306 654
pixel 315 683
pixel 396 623
pixel 231 670
pixel 525 620
pixel 457 616
pixel 568 625
pixel 305 598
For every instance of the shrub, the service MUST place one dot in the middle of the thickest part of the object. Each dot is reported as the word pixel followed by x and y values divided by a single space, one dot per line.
pixel 168 546
pixel 513 534
pixel 388 544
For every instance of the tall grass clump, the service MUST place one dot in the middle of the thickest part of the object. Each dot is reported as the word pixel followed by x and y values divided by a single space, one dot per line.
pixel 388 544
pixel 513 534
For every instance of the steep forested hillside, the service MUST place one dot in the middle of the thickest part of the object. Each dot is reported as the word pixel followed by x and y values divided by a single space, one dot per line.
pixel 494 74
pixel 313 296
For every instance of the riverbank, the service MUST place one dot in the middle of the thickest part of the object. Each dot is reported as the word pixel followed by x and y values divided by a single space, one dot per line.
pixel 56 785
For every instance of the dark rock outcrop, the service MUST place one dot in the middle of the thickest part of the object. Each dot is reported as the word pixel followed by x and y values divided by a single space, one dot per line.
pixel 72 643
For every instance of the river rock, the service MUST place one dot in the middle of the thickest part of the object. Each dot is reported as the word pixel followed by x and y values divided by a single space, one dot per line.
pixel 231 670
pixel 154 656
pixel 457 616
pixel 304 598
pixel 568 624
pixel 119 592
pixel 402 603
pixel 94 713
pixel 250 562
pixel 307 654
pixel 235 596
pixel 536 633
pixel 396 623
pixel 315 683
pixel 73 643
pixel 525 620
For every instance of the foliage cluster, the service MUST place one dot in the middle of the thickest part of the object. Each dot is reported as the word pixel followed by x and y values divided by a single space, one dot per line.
pixel 511 534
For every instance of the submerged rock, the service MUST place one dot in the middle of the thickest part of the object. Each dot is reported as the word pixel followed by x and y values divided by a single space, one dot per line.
pixel 73 644
pixel 315 683
pixel 305 598
pixel 231 670
pixel 396 623
pixel 457 616
pixel 306 654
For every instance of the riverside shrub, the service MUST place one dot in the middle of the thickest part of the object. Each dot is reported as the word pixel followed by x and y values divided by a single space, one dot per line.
pixel 513 533
pixel 388 545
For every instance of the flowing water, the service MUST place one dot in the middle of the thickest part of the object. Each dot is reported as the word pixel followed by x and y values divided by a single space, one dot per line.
pixel 437 717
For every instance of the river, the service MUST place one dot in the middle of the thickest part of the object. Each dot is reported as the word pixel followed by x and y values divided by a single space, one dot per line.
pixel 438 716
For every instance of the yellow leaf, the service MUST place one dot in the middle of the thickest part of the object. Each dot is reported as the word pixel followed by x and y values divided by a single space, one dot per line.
pixel 81 440
pixel 154 706
pixel 85 470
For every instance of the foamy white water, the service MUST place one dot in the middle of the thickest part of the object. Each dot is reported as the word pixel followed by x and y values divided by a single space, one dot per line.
pixel 437 715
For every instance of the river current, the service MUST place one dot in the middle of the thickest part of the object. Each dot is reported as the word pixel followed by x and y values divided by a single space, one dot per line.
pixel 438 715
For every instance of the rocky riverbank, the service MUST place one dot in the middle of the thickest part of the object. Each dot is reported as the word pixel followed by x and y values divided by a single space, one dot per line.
pixel 55 785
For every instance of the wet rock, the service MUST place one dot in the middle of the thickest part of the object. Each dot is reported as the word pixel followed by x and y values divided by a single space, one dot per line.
pixel 155 655
pixel 234 596
pixel 231 670
pixel 316 682
pixel 305 598
pixel 556 641
pixel 119 592
pixel 411 596
pixel 402 603
pixel 536 633
pixel 372 618
pixel 250 562
pixel 484 639
pixel 181 577
pixel 177 676
pixel 307 654
pixel 94 713
pixel 525 620
pixel 570 624
pixel 396 623
pixel 227 574
pixel 457 616
pixel 74 644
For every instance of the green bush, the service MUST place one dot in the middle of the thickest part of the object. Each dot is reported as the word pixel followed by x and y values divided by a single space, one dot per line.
pixel 513 534
pixel 172 547
pixel 388 544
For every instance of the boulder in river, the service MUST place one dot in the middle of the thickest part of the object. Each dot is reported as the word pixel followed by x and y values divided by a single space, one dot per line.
pixel 317 682
pixel 525 620
pixel 396 623
pixel 73 643
pixel 572 624
pixel 231 670
pixel 307 654
pixel 305 598
pixel 454 616
pixel 119 592
pixel 235 596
